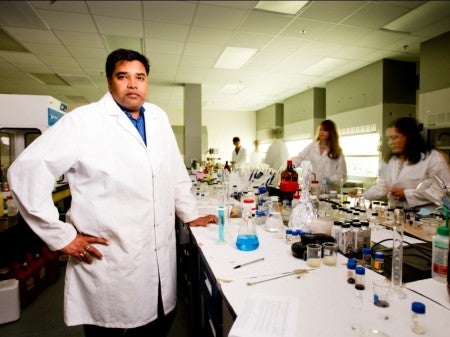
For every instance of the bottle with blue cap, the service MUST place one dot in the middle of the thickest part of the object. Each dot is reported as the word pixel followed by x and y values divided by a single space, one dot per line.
pixel 418 318
pixel 360 271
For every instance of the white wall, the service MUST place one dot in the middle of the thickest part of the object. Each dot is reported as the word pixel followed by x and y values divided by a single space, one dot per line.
pixel 224 125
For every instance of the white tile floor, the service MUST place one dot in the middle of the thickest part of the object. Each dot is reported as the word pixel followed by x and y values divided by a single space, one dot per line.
pixel 44 318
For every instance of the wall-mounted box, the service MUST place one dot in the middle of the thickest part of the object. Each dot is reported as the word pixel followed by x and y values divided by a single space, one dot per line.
pixel 434 98
pixel 303 113
pixel 267 119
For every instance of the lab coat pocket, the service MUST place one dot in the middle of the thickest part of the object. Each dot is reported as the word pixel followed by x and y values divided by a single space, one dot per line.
pixel 124 250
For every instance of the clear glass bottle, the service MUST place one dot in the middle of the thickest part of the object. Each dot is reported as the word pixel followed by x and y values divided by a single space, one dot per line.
pixel 336 230
pixel 366 233
pixel 366 257
pixel 351 266
pixel 358 237
pixel 418 318
pixel 440 254
pixel 346 239
pixel 360 272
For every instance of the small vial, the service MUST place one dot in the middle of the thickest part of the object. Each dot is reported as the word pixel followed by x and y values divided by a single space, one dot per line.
pixel 378 263
pixel 351 266
pixel 360 272
pixel 288 236
pixel 418 318
pixel 366 257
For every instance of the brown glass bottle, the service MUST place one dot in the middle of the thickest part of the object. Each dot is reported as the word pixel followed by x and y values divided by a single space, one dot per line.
pixel 289 174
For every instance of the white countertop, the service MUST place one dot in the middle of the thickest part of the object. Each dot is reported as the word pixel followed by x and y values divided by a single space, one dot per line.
pixel 324 295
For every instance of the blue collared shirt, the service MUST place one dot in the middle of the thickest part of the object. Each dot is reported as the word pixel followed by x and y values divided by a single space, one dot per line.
pixel 139 123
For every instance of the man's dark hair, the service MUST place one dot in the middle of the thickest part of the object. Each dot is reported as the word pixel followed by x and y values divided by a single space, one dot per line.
pixel 126 55
pixel 236 139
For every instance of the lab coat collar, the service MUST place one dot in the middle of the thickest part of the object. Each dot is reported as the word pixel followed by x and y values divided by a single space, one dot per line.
pixel 113 109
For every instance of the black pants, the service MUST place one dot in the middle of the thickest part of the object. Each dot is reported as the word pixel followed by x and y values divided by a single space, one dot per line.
pixel 157 328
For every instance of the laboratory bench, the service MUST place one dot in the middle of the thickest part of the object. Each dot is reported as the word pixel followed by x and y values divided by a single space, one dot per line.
pixel 216 294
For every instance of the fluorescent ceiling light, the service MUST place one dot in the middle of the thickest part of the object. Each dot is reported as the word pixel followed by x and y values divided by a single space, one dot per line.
pixel 234 57
pixel 285 7
pixel 231 88
pixel 323 66
pixel 420 17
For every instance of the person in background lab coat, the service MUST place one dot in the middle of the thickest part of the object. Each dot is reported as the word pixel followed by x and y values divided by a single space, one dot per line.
pixel 325 155
pixel 127 181
pixel 255 157
pixel 239 154
pixel 277 154
pixel 407 162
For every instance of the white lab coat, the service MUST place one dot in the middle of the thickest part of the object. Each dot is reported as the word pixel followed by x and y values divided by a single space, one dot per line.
pixel 277 155
pixel 322 165
pixel 239 159
pixel 409 177
pixel 121 190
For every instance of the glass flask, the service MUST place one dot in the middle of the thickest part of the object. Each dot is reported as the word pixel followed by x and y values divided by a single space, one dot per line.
pixel 247 238
pixel 304 213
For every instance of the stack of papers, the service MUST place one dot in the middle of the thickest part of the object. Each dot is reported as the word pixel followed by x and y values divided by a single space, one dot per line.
pixel 267 316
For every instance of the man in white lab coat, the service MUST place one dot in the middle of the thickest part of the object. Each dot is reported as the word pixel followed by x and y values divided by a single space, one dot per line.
pixel 127 181
pixel 239 154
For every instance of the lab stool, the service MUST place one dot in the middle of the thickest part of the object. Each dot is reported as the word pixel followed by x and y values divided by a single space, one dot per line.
pixel 9 301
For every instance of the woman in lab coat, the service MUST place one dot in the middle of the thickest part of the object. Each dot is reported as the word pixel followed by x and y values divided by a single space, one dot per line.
pixel 126 188
pixel 325 155
pixel 408 162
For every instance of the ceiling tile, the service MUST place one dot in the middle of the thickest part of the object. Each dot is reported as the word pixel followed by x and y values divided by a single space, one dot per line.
pixel 20 14
pixel 68 21
pixel 59 61
pixel 33 35
pixel 250 40
pixel 345 34
pixel 91 40
pixel 65 6
pixel 306 29
pixel 375 15
pixel 86 52
pixel 20 58
pixel 164 46
pixel 118 26
pixel 200 49
pixel 265 23
pixel 379 39
pixel 218 17
pixel 331 11
pixel 178 12
pixel 288 44
pixel 161 59
pixel 166 31
pixel 198 61
pixel 119 9
pixel 209 35
pixel 46 49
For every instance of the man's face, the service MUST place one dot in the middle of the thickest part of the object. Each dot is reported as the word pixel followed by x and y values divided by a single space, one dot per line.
pixel 128 85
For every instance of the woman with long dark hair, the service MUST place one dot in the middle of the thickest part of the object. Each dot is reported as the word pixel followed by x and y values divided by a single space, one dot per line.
pixel 325 155
pixel 408 161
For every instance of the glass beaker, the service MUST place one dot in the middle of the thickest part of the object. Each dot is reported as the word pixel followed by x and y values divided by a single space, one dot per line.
pixel 247 238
